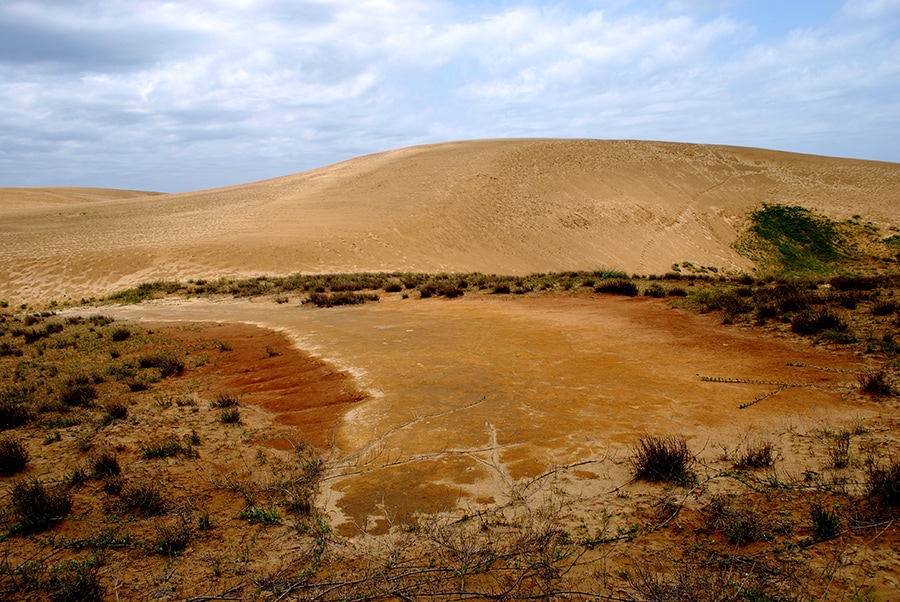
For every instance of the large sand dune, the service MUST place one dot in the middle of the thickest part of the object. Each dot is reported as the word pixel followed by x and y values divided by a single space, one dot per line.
pixel 509 206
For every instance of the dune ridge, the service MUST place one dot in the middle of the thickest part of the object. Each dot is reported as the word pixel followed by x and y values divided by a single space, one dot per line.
pixel 506 206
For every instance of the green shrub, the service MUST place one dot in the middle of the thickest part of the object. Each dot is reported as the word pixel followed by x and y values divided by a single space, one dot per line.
pixel 80 395
pixel 76 581
pixel 13 456
pixel 755 455
pixel 663 459
pixel 340 298
pixel 254 515
pixel 225 400
pixel 15 407
pixel 815 322
pixel 166 361
pixel 617 287
pixel 168 448
pixel 105 464
pixel 826 524
pixel 877 382
pixel 37 507
pixel 884 484
pixel 172 539
pixel 144 497
pixel 230 415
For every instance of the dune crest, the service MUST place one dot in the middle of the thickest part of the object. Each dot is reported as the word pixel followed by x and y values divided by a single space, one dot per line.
pixel 509 206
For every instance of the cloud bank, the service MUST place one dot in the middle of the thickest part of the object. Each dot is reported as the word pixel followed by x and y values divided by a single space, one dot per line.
pixel 179 95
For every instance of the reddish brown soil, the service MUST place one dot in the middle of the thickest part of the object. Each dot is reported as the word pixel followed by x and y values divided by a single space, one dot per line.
pixel 268 371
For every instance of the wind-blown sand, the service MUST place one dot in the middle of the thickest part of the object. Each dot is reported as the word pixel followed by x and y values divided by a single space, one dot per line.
pixel 497 206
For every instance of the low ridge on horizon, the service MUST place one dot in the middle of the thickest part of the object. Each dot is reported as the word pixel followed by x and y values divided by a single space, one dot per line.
pixel 500 206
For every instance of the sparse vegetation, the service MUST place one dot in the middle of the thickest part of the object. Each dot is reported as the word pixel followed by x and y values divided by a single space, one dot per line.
pixel 663 459
pixel 13 456
pixel 36 506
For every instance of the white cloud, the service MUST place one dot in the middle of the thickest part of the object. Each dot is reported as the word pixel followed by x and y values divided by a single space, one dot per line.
pixel 255 88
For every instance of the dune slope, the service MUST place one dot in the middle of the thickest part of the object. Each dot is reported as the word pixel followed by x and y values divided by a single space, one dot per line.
pixel 510 206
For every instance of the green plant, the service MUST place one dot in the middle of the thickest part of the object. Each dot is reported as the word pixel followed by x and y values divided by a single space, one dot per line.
pixel 797 240
pixel 105 464
pixel 168 448
pixel 884 483
pixel 13 456
pixel 839 452
pixel 116 410
pixel 80 395
pixel 172 539
pixel 165 361
pixel 659 459
pixel 877 382
pixel 37 507
pixel 619 286
pixel 144 497
pixel 826 524
pixel 15 407
pixel 758 454
pixel 230 415
pixel 225 400
pixel 253 515
pixel 76 581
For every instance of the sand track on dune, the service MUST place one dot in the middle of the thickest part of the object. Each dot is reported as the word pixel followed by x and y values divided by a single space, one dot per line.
pixel 510 206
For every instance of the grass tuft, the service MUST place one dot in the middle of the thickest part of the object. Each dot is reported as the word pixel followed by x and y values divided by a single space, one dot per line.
pixel 663 459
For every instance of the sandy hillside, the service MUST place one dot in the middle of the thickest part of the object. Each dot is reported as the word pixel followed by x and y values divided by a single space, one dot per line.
pixel 509 206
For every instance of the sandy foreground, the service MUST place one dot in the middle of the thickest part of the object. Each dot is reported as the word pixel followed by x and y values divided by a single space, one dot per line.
pixel 501 206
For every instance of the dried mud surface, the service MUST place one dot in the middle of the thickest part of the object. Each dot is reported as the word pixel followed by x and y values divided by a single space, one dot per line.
pixel 461 401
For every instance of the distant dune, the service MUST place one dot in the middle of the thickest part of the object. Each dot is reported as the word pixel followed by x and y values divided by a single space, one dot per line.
pixel 506 206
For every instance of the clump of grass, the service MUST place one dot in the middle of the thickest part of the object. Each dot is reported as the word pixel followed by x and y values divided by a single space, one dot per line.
pixel 826 523
pixel 877 382
pixel 168 448
pixel 120 334
pixel 815 322
pixel 759 454
pixel 740 525
pixel 172 539
pixel 76 581
pixel 620 286
pixel 105 464
pixel 15 407
pixel 166 361
pixel 663 459
pixel 225 400
pixel 144 497
pixel 230 416
pixel 839 451
pixel 13 456
pixel 116 410
pixel 36 506
pixel 340 298
pixel 78 395
pixel 254 515
pixel 884 483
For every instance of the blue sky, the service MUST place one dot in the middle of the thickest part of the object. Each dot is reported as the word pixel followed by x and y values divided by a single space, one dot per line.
pixel 183 95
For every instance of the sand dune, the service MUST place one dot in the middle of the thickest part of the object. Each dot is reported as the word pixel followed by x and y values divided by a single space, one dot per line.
pixel 510 206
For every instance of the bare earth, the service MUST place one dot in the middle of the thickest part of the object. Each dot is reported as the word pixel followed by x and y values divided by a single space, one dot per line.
pixel 501 206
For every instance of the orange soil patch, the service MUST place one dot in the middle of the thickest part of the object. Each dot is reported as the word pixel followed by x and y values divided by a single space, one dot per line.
pixel 268 371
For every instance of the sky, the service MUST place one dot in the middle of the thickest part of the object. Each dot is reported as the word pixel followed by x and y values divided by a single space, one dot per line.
pixel 182 95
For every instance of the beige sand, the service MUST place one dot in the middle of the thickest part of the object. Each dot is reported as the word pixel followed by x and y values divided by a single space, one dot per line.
pixel 507 206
